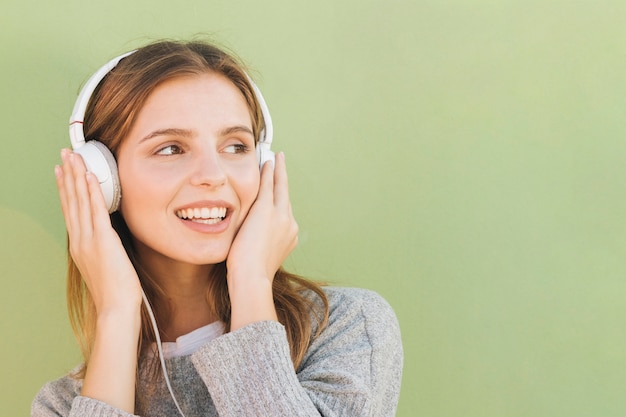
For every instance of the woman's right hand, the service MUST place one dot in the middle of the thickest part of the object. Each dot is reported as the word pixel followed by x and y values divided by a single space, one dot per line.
pixel 112 281
pixel 93 243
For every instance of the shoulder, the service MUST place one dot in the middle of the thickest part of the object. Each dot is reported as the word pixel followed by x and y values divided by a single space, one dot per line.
pixel 361 315
pixel 357 298
pixel 359 351
pixel 360 304
pixel 56 397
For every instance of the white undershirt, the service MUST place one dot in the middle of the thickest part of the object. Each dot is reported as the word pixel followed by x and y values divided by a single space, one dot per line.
pixel 191 342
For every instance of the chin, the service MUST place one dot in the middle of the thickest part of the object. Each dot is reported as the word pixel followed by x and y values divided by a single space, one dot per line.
pixel 165 257
pixel 206 260
pixel 205 257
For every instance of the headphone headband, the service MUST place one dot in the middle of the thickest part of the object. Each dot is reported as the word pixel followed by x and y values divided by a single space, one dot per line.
pixel 77 136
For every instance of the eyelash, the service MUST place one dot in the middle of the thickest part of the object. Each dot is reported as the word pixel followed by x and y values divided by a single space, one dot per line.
pixel 239 148
pixel 177 151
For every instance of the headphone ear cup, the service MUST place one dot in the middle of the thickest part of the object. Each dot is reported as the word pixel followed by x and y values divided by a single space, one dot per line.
pixel 264 154
pixel 100 161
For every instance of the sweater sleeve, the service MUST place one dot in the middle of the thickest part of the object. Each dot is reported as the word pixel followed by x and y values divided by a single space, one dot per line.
pixel 352 368
pixel 61 398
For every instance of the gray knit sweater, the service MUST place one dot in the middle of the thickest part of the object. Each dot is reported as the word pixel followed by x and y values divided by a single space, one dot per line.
pixel 352 369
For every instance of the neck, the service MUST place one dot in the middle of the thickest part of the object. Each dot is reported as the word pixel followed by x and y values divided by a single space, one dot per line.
pixel 185 288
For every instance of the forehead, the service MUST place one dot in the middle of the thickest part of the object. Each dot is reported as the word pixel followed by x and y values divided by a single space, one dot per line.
pixel 210 95
pixel 198 87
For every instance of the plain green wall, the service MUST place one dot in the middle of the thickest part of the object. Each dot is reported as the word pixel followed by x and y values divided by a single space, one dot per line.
pixel 463 158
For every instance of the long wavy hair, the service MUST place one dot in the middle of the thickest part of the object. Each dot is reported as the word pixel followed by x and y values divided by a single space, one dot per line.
pixel 109 117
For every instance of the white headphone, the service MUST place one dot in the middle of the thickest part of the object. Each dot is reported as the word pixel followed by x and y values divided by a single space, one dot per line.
pixel 101 162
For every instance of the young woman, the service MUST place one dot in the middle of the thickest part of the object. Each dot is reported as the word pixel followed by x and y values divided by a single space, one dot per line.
pixel 200 235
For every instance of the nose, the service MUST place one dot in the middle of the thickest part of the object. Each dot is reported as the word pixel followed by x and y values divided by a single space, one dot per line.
pixel 207 168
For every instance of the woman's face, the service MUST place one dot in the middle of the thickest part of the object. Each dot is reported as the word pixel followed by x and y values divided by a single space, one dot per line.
pixel 188 171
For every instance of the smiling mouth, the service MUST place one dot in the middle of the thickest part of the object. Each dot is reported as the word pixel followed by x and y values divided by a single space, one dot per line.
pixel 204 215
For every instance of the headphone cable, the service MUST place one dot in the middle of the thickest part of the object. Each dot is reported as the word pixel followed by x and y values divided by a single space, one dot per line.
pixel 160 350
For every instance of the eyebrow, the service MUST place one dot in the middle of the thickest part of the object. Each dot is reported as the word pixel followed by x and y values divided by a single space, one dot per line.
pixel 236 129
pixel 167 132
pixel 190 133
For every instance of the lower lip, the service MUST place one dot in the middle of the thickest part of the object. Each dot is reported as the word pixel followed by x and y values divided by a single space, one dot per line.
pixel 207 228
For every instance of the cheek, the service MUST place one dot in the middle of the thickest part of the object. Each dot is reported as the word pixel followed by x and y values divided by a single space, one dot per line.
pixel 140 189
pixel 246 184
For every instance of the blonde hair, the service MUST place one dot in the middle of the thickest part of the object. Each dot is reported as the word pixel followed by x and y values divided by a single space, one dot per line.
pixel 109 117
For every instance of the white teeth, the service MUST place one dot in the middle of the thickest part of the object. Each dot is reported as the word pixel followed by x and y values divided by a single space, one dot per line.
pixel 204 215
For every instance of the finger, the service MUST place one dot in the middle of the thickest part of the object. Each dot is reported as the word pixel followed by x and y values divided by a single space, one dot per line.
pixel 68 194
pixel 281 183
pixel 100 212
pixel 281 196
pixel 84 212
pixel 266 187
pixel 59 175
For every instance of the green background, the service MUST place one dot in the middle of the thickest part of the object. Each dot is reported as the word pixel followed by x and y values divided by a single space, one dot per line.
pixel 463 158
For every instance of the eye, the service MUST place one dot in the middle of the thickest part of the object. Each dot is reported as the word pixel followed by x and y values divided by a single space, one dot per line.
pixel 236 148
pixel 170 150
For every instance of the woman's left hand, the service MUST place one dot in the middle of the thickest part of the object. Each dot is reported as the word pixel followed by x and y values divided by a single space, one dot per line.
pixel 263 242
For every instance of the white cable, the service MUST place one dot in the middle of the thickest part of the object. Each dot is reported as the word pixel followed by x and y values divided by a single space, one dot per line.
pixel 160 349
